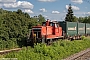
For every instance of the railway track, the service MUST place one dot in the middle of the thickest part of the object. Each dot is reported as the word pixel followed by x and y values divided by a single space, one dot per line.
pixel 83 55
pixel 8 51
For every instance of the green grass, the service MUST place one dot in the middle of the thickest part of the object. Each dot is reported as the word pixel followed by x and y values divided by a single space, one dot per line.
pixel 57 51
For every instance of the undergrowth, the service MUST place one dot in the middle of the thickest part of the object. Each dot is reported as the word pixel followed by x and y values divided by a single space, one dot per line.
pixel 57 51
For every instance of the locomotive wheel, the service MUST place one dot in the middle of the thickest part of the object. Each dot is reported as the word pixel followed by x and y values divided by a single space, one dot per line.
pixel 49 41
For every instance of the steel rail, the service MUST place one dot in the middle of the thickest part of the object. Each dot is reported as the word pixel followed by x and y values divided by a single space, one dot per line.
pixel 73 57
pixel 8 51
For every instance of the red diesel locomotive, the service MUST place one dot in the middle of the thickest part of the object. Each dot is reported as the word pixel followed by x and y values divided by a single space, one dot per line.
pixel 46 33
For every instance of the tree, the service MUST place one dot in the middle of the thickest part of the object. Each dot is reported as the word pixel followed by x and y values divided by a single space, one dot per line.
pixel 38 19
pixel 15 25
pixel 69 16
pixel 86 19
pixel 19 11
pixel 80 19
pixel 41 19
pixel 75 19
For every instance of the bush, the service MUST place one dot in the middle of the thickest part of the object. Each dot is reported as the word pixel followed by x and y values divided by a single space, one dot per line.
pixel 58 50
pixel 82 37
pixel 8 44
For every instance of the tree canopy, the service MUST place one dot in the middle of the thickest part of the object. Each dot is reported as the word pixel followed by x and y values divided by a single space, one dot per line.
pixel 69 16
pixel 16 24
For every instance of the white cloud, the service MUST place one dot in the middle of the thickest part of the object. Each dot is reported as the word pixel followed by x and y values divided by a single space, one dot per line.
pixel 81 13
pixel 64 11
pixel 28 11
pixel 73 7
pixel 25 6
pixel 67 6
pixel 47 0
pixel 19 4
pixel 77 1
pixel 7 1
pixel 88 13
pixel 45 16
pixel 1 5
pixel 55 12
pixel 43 10
pixel 57 17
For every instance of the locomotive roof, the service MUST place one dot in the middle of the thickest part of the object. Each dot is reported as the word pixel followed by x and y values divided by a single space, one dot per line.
pixel 52 22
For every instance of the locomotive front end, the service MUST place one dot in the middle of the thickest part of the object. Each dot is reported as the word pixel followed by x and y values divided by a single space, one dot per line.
pixel 36 32
pixel 37 35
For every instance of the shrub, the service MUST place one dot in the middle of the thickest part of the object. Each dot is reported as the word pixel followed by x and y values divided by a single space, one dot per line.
pixel 82 37
pixel 58 50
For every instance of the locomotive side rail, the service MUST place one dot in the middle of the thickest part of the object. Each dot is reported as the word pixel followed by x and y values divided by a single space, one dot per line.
pixel 7 51
pixel 75 56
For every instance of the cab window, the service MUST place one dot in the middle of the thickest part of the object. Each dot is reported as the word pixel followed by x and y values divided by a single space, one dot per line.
pixel 44 24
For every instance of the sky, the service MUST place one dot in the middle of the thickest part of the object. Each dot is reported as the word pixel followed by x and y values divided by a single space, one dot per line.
pixel 50 9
